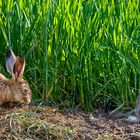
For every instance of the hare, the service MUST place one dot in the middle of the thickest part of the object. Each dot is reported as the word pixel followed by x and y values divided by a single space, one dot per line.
pixel 136 118
pixel 15 89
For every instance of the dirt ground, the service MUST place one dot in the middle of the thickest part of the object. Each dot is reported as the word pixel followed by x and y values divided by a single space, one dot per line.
pixel 49 123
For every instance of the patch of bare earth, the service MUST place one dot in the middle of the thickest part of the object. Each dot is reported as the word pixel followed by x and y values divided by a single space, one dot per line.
pixel 48 123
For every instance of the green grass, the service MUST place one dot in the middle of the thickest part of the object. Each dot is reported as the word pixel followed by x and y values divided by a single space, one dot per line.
pixel 83 53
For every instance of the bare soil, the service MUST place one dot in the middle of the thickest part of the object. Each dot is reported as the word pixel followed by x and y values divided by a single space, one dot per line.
pixel 49 123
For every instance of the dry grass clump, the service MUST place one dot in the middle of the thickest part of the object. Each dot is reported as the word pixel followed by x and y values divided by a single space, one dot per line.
pixel 28 125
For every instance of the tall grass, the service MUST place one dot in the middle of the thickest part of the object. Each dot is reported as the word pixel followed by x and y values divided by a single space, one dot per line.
pixel 82 52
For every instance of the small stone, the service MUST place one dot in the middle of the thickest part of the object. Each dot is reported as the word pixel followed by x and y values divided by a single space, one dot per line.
pixel 91 118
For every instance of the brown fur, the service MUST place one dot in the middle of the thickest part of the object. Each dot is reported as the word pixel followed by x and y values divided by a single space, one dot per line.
pixel 14 91
pixel 2 77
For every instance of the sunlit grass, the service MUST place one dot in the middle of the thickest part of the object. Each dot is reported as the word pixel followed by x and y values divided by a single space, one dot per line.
pixel 78 52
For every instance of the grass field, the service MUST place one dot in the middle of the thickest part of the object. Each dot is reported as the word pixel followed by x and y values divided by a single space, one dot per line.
pixel 82 53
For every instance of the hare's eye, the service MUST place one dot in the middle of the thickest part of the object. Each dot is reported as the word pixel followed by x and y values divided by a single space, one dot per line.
pixel 25 91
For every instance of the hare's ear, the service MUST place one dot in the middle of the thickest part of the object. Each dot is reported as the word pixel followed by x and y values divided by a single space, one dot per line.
pixel 10 60
pixel 19 67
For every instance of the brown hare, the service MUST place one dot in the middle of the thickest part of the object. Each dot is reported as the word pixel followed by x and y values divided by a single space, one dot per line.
pixel 15 89
pixel 136 118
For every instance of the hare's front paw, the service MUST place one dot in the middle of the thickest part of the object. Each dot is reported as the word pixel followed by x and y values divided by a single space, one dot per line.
pixel 133 119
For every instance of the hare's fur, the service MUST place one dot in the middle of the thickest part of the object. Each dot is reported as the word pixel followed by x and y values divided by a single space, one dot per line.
pixel 14 91
pixel 136 118
pixel 2 77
